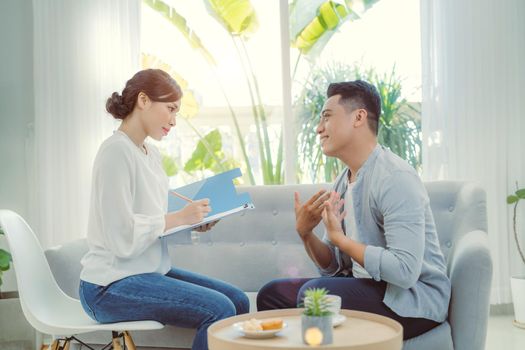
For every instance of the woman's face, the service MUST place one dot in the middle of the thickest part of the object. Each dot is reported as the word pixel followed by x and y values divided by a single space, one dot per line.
pixel 160 118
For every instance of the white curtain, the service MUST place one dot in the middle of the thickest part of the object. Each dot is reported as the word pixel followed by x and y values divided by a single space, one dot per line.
pixel 83 51
pixel 474 111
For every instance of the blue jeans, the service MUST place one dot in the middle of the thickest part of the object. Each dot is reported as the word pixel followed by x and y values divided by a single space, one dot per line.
pixel 180 298
pixel 361 294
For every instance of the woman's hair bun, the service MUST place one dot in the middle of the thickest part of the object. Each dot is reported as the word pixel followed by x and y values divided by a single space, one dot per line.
pixel 158 85
pixel 116 107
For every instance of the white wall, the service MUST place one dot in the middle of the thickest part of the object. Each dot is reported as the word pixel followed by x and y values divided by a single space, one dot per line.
pixel 16 107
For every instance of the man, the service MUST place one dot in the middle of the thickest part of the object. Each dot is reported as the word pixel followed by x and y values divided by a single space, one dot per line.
pixel 380 250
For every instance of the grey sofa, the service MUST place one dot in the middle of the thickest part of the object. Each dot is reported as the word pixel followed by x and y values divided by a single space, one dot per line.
pixel 253 248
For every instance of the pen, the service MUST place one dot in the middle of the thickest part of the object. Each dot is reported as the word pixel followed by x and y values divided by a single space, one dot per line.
pixel 181 196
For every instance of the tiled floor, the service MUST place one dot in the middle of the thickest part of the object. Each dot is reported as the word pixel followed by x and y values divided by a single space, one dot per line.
pixel 502 334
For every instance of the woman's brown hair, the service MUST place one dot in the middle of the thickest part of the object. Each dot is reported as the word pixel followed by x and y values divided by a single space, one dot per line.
pixel 158 85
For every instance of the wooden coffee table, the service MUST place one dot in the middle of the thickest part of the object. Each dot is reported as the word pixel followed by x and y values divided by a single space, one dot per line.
pixel 361 330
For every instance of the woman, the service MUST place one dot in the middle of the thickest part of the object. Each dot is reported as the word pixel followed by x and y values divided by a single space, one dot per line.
pixel 126 273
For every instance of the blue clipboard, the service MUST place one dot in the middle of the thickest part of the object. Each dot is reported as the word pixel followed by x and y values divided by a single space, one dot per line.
pixel 220 190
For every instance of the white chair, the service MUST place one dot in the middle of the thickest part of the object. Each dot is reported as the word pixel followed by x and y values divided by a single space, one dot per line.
pixel 47 308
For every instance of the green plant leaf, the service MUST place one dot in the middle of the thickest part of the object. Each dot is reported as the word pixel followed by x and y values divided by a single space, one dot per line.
pixel 179 22
pixel 238 17
pixel 201 159
pixel 5 259
pixel 313 22
pixel 512 199
pixel 521 193
pixel 329 16
pixel 169 165
pixel 316 302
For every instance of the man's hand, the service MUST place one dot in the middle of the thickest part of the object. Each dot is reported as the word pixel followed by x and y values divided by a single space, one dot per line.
pixel 308 215
pixel 332 218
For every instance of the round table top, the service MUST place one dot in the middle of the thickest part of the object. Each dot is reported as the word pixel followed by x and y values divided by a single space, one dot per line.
pixel 361 330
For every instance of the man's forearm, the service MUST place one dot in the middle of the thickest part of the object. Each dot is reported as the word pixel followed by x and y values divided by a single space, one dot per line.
pixel 354 249
pixel 317 250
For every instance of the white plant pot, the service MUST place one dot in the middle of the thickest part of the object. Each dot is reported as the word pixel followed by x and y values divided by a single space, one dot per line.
pixel 517 286
pixel 316 330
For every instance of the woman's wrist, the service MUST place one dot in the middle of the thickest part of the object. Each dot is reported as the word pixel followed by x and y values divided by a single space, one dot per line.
pixel 172 220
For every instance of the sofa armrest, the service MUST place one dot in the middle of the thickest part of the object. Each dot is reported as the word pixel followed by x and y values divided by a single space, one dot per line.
pixel 470 272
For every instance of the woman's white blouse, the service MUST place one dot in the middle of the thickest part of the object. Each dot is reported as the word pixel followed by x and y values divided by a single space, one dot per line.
pixel 126 217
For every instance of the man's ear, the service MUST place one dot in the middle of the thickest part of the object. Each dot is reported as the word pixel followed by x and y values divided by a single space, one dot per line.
pixel 360 117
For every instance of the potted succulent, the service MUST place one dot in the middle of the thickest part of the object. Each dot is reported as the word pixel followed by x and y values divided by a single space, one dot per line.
pixel 517 283
pixel 316 320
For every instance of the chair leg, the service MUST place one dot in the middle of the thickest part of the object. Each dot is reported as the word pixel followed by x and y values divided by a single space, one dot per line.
pixel 128 341
pixel 116 341
pixel 54 345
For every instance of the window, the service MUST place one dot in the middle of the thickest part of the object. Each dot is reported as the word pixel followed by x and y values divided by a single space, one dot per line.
pixel 230 67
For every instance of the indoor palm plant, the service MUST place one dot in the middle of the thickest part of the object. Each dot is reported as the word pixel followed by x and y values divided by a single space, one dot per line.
pixel 316 320
pixel 517 283
pixel 400 121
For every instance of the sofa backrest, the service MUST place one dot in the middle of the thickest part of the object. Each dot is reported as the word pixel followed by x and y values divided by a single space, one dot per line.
pixel 458 208
pixel 257 246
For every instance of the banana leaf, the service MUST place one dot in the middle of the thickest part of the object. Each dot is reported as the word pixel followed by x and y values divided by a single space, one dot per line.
pixel 238 17
pixel 189 102
pixel 313 22
pixel 228 9
pixel 178 21
pixel 208 155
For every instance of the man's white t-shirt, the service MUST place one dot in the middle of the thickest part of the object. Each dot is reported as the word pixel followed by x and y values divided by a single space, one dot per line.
pixel 351 230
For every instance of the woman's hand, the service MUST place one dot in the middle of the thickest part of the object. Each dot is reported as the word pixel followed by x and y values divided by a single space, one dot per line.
pixel 332 218
pixel 206 227
pixel 192 213
pixel 195 211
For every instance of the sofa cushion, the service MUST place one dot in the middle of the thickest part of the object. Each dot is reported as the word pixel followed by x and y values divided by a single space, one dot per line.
pixel 438 338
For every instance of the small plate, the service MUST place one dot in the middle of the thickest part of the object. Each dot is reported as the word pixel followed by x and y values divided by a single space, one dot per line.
pixel 338 320
pixel 258 334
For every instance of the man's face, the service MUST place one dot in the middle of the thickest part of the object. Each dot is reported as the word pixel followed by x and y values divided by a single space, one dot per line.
pixel 336 127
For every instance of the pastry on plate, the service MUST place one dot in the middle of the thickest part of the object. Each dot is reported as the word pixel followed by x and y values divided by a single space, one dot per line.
pixel 276 323
pixel 252 325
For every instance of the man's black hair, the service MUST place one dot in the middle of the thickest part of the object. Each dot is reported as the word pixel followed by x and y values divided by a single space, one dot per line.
pixel 359 94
